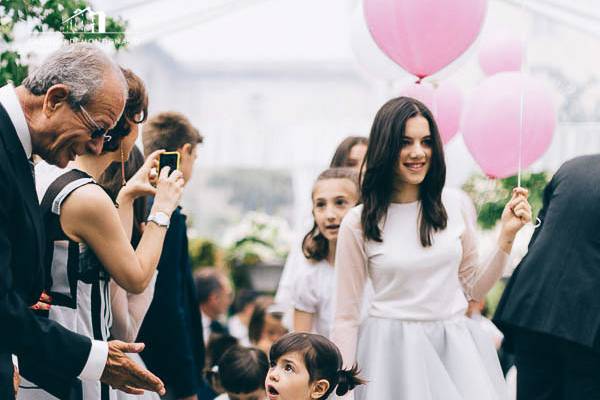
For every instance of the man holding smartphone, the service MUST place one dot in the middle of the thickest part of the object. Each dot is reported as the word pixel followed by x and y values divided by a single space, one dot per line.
pixel 176 354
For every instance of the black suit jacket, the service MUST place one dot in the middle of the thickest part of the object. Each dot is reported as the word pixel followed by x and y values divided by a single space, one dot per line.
pixel 47 351
pixel 172 328
pixel 556 288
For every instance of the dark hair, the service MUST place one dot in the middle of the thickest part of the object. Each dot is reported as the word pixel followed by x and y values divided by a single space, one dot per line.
pixel 207 281
pixel 257 320
pixel 137 103
pixel 241 370
pixel 314 245
pixel 111 182
pixel 377 189
pixel 322 360
pixel 342 153
pixel 217 345
pixel 243 297
pixel 169 131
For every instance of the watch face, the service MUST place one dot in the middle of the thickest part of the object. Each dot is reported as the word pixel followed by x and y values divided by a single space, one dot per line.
pixel 162 219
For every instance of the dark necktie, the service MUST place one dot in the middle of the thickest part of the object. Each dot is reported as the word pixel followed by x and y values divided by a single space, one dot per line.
pixel 217 327
pixel 32 167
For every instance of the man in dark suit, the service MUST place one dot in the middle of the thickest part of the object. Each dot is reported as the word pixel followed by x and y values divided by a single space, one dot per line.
pixel 61 110
pixel 172 327
pixel 214 298
pixel 550 310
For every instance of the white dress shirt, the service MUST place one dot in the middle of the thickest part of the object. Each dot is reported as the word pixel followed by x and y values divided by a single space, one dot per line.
pixel 205 327
pixel 94 367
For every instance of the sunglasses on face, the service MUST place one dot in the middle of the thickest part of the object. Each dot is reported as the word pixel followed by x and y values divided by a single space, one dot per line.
pixel 98 131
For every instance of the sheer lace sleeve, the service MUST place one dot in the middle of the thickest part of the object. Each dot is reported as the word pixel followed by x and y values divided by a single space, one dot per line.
pixel 350 278
pixel 477 278
pixel 129 310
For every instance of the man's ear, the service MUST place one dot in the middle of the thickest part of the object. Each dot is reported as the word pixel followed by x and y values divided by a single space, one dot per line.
pixel 319 388
pixel 55 98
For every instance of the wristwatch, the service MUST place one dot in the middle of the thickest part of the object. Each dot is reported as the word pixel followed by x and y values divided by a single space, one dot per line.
pixel 160 218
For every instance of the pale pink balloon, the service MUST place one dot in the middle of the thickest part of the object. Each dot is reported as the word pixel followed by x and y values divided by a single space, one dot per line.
pixel 502 53
pixel 445 103
pixel 491 122
pixel 424 36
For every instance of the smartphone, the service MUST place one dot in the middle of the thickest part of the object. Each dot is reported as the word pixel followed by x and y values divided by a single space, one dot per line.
pixel 169 159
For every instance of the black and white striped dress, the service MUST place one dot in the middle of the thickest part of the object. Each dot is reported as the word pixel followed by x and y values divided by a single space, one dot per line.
pixel 77 282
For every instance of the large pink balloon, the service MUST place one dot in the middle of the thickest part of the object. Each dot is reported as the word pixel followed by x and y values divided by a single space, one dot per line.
pixel 424 36
pixel 445 103
pixel 501 54
pixel 491 122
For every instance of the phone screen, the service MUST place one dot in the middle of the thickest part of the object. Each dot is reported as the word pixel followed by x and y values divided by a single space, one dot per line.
pixel 169 159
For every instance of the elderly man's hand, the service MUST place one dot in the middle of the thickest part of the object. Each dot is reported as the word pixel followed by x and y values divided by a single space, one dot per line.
pixel 123 374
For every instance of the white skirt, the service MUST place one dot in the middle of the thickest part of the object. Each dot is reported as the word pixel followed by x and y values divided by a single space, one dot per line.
pixel 428 360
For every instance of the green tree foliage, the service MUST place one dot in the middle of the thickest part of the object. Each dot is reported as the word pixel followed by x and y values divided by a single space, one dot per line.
pixel 202 253
pixel 44 16
pixel 490 196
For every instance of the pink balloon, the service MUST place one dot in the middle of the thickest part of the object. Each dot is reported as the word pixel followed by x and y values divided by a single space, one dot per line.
pixel 501 54
pixel 445 103
pixel 424 36
pixel 491 122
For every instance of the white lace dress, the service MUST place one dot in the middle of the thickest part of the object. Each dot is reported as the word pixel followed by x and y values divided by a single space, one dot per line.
pixel 416 342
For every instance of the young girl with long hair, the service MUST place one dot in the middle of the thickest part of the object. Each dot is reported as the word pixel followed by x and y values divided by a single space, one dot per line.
pixel 334 193
pixel 414 241
pixel 307 366
pixel 349 153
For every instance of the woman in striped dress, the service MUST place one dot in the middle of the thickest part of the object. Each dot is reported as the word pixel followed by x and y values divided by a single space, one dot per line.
pixel 89 236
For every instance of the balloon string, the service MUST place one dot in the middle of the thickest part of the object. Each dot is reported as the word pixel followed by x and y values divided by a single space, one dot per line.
pixel 522 99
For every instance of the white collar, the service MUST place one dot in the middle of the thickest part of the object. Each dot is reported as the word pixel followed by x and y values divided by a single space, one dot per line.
pixel 206 320
pixel 10 102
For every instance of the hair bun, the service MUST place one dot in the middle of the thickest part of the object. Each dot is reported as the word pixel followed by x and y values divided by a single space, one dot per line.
pixel 348 380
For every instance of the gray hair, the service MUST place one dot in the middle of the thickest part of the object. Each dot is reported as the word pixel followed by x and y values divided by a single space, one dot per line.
pixel 80 66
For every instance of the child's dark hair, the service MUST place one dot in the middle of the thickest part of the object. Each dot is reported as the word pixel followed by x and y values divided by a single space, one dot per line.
pixel 322 360
pixel 341 157
pixel 218 344
pixel 257 320
pixel 240 370
pixel 314 245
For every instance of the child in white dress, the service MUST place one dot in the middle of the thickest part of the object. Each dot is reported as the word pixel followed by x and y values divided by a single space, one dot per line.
pixel 349 153
pixel 334 193
pixel 414 241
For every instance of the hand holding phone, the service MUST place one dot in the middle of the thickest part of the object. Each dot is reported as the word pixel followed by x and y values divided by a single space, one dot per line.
pixel 170 159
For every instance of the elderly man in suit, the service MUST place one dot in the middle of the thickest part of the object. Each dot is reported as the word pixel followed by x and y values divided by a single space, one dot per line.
pixel 61 110
pixel 550 310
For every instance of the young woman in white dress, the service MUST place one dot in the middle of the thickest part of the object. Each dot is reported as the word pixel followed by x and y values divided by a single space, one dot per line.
pixel 334 193
pixel 413 240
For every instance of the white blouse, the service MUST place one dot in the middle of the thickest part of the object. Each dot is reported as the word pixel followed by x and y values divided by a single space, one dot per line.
pixel 314 294
pixel 410 282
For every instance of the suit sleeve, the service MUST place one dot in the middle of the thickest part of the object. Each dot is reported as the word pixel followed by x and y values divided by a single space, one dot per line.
pixel 35 340
pixel 170 331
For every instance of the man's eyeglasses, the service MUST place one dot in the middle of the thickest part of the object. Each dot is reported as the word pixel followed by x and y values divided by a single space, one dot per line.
pixel 98 130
